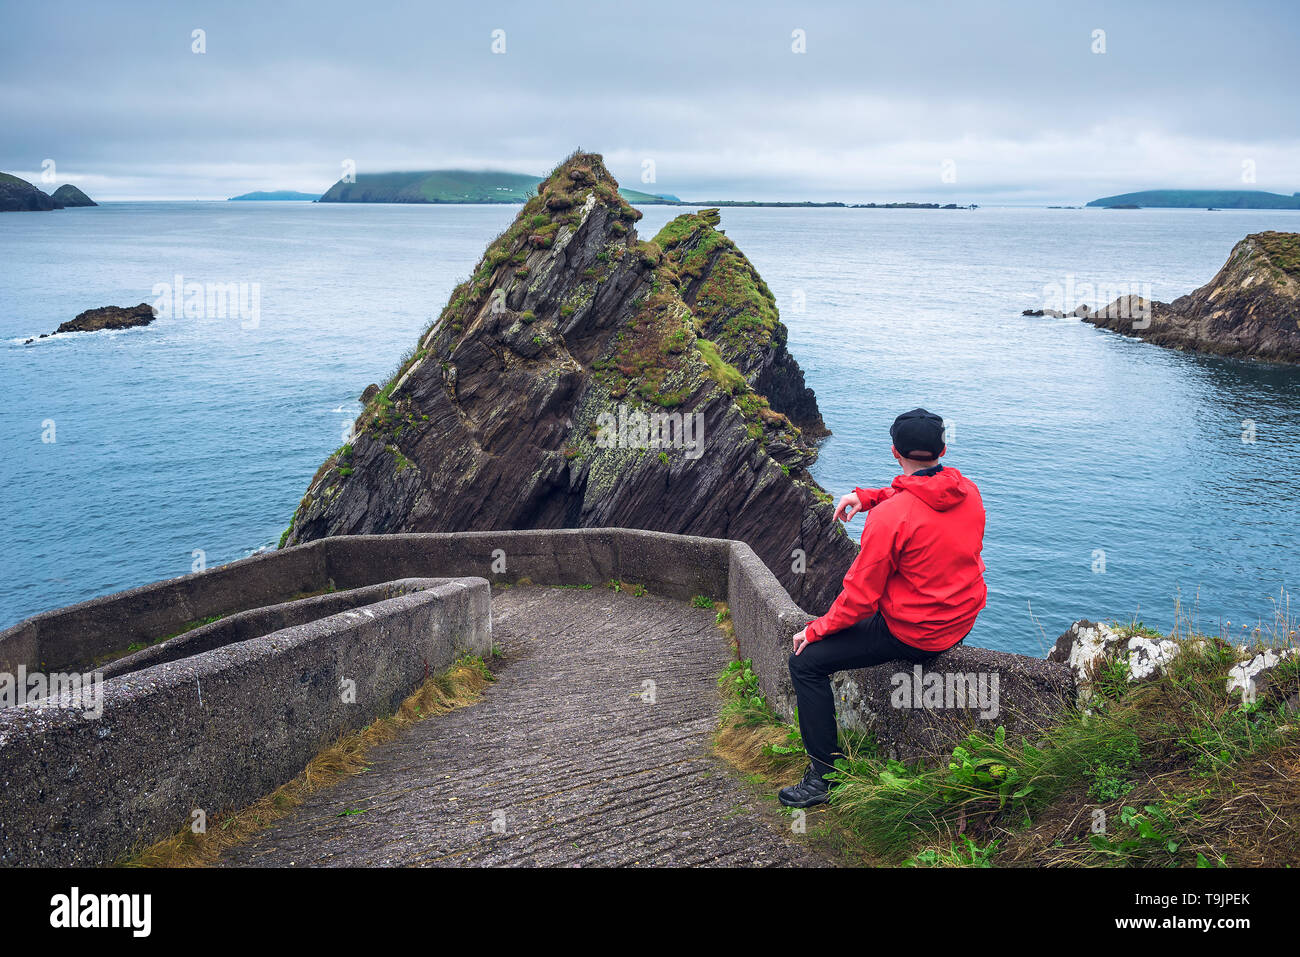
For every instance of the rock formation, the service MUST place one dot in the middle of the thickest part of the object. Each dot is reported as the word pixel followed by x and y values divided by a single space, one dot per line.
pixel 68 195
pixel 1089 649
pixel 582 377
pixel 109 317
pixel 1250 309
pixel 18 195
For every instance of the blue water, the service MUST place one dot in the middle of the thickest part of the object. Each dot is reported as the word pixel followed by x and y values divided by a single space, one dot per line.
pixel 202 434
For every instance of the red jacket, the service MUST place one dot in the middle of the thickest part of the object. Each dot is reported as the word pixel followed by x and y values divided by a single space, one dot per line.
pixel 920 564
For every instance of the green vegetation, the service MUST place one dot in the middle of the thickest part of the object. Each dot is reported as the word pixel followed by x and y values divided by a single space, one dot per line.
pixel 702 601
pixel 401 460
pixel 720 371
pixel 644 362
pixel 1282 249
pixel 636 591
pixel 135 646
pixel 752 736
pixel 965 853
pixel 1173 771
pixel 434 186
pixel 1203 199
pixel 729 300
pixel 188 626
pixel 68 195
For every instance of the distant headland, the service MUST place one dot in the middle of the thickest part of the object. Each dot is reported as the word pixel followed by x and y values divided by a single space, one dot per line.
pixel 1250 309
pixel 276 195
pixel 18 195
pixel 1200 199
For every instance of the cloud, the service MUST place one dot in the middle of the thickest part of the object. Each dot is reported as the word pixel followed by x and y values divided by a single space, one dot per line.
pixel 712 93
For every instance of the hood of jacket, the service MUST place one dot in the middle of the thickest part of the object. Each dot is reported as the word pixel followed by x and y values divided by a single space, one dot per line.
pixel 941 491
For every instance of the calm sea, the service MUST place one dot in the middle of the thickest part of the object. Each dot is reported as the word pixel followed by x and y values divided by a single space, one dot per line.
pixel 1115 473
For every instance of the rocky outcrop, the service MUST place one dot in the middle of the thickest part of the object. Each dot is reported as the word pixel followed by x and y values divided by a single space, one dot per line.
pixel 68 195
pixel 1250 309
pixel 1083 311
pixel 105 317
pixel 109 317
pixel 18 195
pixel 1091 649
pixel 583 378
pixel 734 309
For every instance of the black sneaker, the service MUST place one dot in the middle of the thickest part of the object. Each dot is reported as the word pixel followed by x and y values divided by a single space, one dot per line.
pixel 812 790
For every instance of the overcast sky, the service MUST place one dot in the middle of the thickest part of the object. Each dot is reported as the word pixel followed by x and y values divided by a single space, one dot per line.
pixel 1009 99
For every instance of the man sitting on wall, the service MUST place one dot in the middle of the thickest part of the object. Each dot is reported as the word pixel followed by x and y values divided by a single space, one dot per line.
pixel 913 591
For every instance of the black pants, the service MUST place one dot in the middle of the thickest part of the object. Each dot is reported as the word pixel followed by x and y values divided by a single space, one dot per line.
pixel 860 646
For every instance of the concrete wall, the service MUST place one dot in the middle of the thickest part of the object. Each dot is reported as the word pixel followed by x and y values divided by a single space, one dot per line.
pixel 219 716
pixel 74 636
pixel 256 622
pixel 676 566
pixel 217 730
pixel 215 718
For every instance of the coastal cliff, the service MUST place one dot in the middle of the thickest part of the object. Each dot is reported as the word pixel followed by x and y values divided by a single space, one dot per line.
pixel 18 195
pixel 583 377
pixel 1250 309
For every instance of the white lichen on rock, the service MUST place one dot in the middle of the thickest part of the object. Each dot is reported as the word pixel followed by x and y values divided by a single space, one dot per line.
pixel 1148 657
pixel 1087 647
pixel 1245 677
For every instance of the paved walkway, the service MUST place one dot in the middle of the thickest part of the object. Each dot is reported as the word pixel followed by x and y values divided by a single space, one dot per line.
pixel 562 762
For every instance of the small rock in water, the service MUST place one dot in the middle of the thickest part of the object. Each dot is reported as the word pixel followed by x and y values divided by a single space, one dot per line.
pixel 110 317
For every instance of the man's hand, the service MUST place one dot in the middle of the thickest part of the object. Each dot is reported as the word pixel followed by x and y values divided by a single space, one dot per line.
pixel 800 641
pixel 849 506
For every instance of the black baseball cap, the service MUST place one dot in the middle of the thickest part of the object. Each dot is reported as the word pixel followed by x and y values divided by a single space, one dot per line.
pixel 918 435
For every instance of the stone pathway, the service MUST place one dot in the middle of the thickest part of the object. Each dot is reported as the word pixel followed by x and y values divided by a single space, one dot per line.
pixel 562 756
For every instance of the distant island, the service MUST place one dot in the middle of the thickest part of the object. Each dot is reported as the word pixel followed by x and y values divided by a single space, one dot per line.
pixel 488 186
pixel 648 199
pixel 454 186
pixel 1200 199
pixel 277 195
pixel 68 195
